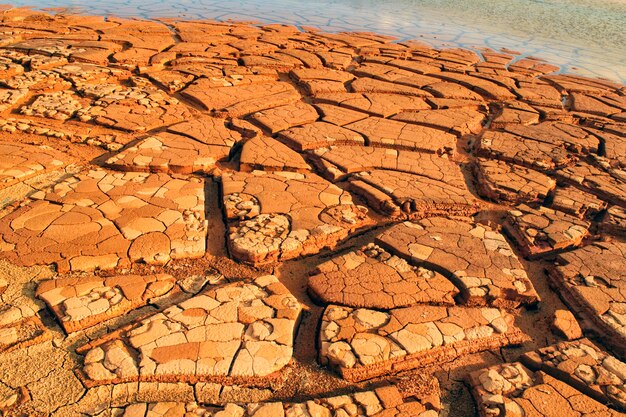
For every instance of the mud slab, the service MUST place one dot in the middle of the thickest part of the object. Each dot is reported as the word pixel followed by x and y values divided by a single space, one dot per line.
pixel 511 389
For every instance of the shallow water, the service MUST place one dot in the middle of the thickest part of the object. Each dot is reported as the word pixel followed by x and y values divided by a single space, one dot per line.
pixel 587 37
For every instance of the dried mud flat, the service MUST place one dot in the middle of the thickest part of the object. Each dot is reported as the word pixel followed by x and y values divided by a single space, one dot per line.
pixel 233 220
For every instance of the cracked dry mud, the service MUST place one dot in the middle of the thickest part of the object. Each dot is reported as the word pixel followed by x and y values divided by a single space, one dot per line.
pixel 203 218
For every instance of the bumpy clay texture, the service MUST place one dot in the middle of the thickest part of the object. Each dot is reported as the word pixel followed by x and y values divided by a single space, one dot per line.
pixel 591 280
pixel 102 220
pixel 284 215
pixel 511 389
pixel 372 277
pixel 238 332
pixel 363 344
pixel 584 366
pixel 477 258
pixel 80 303
pixel 261 220
pixel 543 231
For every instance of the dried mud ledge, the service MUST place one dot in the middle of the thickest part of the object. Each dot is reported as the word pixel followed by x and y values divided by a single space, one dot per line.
pixel 226 219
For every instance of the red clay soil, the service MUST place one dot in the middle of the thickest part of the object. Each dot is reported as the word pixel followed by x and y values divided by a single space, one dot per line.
pixel 239 220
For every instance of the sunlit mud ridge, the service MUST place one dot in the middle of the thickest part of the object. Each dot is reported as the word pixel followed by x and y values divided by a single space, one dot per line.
pixel 236 220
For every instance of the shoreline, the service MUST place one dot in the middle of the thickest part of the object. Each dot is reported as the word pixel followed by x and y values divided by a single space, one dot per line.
pixel 433 26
